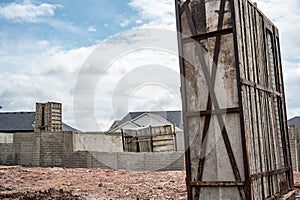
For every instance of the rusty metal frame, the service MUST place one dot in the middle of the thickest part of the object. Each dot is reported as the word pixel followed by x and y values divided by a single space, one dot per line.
pixel 210 80
pixel 212 112
pixel 260 100
pixel 207 35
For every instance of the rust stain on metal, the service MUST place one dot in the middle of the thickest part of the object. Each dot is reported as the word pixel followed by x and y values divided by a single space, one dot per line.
pixel 233 98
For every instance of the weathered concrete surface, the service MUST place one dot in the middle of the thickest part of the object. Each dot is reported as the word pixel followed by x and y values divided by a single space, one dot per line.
pixel 293 145
pixel 162 161
pixel 98 141
pixel 211 84
pixel 233 63
pixel 48 117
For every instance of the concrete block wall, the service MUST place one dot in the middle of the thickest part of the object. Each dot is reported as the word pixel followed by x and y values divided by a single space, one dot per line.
pixel 77 159
pixel 6 154
pixel 37 149
pixel 164 161
pixel 132 161
pixel 36 153
pixel 6 148
pixel 56 149
pixel 103 160
pixel 145 161
pixel 23 148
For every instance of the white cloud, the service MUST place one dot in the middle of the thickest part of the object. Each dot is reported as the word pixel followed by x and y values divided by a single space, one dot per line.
pixel 119 75
pixel 125 23
pixel 138 21
pixel 43 71
pixel 292 83
pixel 38 71
pixel 92 29
pixel 27 12
pixel 286 17
pixel 138 81
pixel 156 13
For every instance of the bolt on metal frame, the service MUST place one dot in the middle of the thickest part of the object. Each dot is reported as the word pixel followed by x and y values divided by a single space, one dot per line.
pixel 250 157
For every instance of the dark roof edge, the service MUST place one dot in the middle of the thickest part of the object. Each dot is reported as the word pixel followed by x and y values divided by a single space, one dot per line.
pixel 21 112
pixel 17 131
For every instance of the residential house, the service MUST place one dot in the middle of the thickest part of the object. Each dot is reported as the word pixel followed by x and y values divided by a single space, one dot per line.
pixel 148 118
pixel 140 120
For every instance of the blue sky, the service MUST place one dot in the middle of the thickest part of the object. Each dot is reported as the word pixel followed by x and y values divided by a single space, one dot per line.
pixel 45 43
pixel 71 24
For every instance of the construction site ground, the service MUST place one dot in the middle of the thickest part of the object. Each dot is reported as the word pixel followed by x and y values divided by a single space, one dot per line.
pixel 24 183
pixel 18 182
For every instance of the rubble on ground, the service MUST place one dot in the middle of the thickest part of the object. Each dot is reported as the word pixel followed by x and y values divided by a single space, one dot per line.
pixel 22 183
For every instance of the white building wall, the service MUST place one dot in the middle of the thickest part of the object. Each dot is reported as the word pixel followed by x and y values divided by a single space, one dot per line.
pixel 180 140
pixel 125 126
pixel 128 126
pixel 97 142
pixel 146 120
pixel 6 138
pixel 153 120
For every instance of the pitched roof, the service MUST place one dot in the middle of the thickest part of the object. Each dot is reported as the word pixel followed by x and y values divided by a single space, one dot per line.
pixel 17 121
pixel 22 122
pixel 294 121
pixel 66 127
pixel 172 116
pixel 114 124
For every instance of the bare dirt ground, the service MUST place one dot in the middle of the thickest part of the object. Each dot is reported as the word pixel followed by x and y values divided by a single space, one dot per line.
pixel 23 183
pixel 297 184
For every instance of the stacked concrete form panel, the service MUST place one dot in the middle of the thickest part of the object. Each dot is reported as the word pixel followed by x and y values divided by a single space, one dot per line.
pixel 48 117
pixel 233 102
pixel 297 133
pixel 293 133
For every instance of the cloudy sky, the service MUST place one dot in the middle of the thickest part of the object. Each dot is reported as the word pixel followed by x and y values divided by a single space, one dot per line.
pixel 45 46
